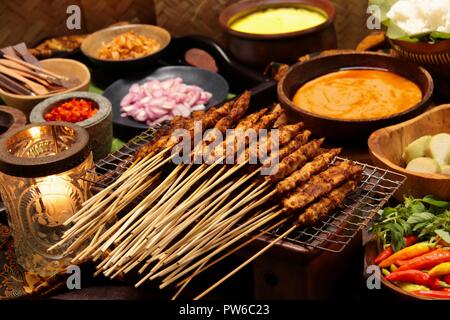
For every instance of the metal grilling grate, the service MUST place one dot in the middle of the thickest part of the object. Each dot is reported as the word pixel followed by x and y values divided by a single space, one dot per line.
pixel 331 234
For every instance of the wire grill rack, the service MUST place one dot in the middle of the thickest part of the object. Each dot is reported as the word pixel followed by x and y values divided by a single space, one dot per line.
pixel 331 234
pixel 336 231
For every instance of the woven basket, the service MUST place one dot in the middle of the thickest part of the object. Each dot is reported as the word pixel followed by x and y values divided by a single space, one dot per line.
pixel 32 21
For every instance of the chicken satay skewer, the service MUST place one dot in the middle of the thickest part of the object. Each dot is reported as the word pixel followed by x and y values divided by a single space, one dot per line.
pixel 306 151
pixel 353 172
pixel 139 168
pixel 98 204
pixel 287 133
pixel 325 206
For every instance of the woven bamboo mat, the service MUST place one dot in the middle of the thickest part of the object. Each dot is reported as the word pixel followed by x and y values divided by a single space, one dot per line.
pixel 350 22
pixel 191 17
pixel 187 17
pixel 34 20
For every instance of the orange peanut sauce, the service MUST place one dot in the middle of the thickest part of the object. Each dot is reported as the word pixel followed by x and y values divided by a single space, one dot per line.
pixel 359 94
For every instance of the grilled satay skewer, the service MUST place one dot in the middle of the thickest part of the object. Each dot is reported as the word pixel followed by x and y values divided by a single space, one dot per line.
pixel 324 207
pixel 321 184
pixel 302 175
pixel 324 183
pixel 208 119
pixel 287 132
pixel 295 160
pixel 238 110
pixel 136 174
pixel 298 141
pixel 284 171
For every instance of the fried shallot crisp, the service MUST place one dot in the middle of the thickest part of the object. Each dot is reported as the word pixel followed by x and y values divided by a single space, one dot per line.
pixel 128 45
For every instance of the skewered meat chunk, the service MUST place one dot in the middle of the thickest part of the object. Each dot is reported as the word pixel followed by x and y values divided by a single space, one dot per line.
pixel 327 204
pixel 299 177
pixel 213 115
pixel 322 184
pixel 240 107
pixel 286 134
pixel 249 121
pixel 209 119
pixel 197 115
pixel 299 140
pixel 281 121
pixel 295 160
pixel 268 120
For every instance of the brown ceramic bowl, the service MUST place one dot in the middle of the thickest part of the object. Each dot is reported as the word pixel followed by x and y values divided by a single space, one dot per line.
pixel 258 51
pixel 64 67
pixel 350 130
pixel 10 119
pixel 95 41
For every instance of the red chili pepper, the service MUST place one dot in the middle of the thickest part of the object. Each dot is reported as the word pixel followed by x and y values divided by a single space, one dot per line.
pixel 433 294
pixel 409 240
pixel 410 252
pixel 75 110
pixel 427 261
pixel 413 276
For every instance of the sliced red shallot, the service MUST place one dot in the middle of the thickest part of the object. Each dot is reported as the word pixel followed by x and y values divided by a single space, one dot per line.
pixel 157 101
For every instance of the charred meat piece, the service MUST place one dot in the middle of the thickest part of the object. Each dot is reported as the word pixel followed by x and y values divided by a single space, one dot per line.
pixel 301 176
pixel 295 160
pixel 322 184
pixel 327 204
pixel 299 140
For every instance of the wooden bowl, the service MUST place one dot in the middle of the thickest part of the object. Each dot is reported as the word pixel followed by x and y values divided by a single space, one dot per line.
pixel 11 119
pixel 371 253
pixel 386 147
pixel 96 40
pixel 434 57
pixel 64 67
pixel 258 50
pixel 350 130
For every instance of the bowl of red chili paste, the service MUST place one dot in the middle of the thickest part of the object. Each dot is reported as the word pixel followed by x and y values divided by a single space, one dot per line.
pixel 88 110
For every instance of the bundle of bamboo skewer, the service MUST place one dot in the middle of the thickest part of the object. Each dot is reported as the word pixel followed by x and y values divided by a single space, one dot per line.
pixel 187 215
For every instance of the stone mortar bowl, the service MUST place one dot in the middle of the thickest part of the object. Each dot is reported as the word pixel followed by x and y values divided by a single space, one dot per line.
pixel 99 126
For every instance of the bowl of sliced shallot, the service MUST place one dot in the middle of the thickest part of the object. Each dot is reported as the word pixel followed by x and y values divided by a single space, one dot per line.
pixel 164 94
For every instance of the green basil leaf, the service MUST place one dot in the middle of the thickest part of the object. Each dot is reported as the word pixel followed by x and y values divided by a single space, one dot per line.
pixel 420 217
pixel 387 212
pixel 444 235
pixel 418 207
pixel 439 35
pixel 436 202
pixel 420 226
